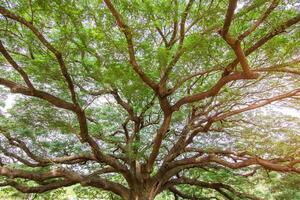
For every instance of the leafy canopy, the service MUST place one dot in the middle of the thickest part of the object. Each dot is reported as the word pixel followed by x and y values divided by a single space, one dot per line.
pixel 149 99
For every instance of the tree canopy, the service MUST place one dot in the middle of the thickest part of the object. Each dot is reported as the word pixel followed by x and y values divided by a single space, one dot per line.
pixel 150 99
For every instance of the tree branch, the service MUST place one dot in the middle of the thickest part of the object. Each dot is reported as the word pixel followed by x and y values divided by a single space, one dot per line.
pixel 70 178
pixel 229 16
pixel 211 92
pixel 214 186
pixel 127 32
pixel 257 105
pixel 16 88
pixel 185 196
pixel 158 141
pixel 51 48
pixel 180 49
pixel 38 189
pixel 15 66
pixel 278 30
pixel 262 18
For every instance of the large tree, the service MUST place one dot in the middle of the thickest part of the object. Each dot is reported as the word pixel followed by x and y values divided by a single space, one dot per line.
pixel 142 97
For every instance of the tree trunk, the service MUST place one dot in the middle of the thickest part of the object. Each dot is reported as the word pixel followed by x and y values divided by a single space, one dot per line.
pixel 140 196
pixel 142 192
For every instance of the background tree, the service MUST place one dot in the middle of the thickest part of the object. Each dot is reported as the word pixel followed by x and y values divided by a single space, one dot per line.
pixel 147 98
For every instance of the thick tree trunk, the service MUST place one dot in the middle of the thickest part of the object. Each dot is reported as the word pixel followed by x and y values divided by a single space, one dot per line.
pixel 140 196
pixel 142 192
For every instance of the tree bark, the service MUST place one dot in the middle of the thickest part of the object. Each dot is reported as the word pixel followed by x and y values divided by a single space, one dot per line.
pixel 142 191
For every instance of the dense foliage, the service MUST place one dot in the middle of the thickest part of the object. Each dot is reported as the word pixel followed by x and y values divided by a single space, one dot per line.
pixel 149 99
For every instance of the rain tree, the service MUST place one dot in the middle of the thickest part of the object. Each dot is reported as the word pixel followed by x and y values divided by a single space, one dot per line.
pixel 178 99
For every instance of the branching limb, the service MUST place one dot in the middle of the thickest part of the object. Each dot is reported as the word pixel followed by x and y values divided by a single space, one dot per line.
pixel 37 189
pixel 126 106
pixel 175 27
pixel 15 66
pixel 211 92
pixel 267 164
pixel 176 192
pixel 224 158
pixel 257 105
pixel 42 161
pixel 183 141
pixel 16 88
pixel 68 178
pixel 215 186
pixel 180 50
pixel 181 81
pixel 229 16
pixel 158 141
pixel 233 43
pixel 50 47
pixel 289 67
pixel 19 158
pixel 278 30
pixel 75 107
pixel 262 18
pixel 127 32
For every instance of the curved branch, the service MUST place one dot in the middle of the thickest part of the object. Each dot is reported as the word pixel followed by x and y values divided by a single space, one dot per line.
pixel 262 18
pixel 278 30
pixel 284 67
pixel 158 141
pixel 229 16
pixel 15 65
pixel 38 189
pixel 180 49
pixel 222 157
pixel 41 161
pixel 50 47
pixel 268 164
pixel 127 32
pixel 232 42
pixel 20 159
pixel 69 178
pixel 16 88
pixel 211 92
pixel 215 186
pixel 184 195
pixel 126 106
pixel 257 105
